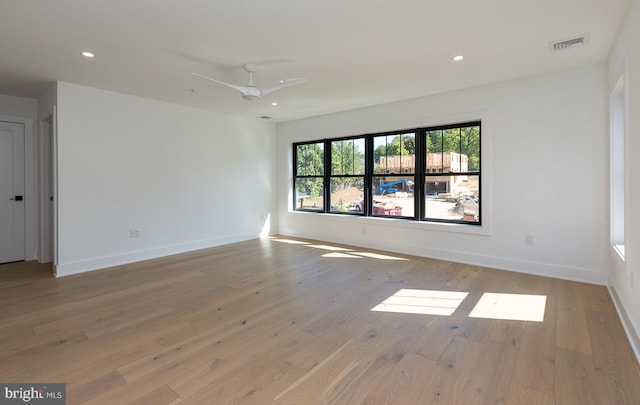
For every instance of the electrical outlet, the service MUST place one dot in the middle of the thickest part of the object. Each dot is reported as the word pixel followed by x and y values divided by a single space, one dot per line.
pixel 529 239
pixel 134 233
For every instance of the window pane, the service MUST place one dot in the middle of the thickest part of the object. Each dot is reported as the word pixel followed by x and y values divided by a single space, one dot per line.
pixel 434 152
pixel 394 153
pixel 393 195
pixel 310 159
pixel 347 194
pixel 434 141
pixel 451 151
pixel 470 147
pixel 347 156
pixel 309 193
pixel 453 198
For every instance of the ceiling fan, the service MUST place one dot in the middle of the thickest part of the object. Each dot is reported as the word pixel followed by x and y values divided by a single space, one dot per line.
pixel 250 92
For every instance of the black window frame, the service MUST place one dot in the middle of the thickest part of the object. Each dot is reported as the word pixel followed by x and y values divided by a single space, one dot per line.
pixel 420 175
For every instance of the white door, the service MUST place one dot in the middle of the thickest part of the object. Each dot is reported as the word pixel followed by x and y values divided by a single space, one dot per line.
pixel 12 247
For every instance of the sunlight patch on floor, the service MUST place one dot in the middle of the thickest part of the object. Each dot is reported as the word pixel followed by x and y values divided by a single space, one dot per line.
pixel 328 247
pixel 425 302
pixel 338 255
pixel 378 256
pixel 347 252
pixel 516 307
pixel 290 241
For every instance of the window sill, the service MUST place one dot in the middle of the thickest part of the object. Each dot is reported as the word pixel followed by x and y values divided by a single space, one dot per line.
pixel 341 219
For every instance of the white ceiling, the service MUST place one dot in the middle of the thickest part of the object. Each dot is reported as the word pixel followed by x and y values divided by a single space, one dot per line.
pixel 355 53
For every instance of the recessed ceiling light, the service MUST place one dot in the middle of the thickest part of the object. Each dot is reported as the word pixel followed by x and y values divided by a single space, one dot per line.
pixel 88 54
pixel 458 58
pixel 274 104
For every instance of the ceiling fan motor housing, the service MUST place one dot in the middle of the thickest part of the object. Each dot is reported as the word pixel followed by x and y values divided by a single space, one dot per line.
pixel 251 93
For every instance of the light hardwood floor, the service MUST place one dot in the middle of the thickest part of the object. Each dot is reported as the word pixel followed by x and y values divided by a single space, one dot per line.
pixel 284 321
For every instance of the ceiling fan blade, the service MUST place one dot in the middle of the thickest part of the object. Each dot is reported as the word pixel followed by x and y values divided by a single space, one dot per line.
pixel 241 89
pixel 281 85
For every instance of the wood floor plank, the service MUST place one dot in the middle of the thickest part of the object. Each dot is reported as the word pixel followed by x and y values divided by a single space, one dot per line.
pixel 83 391
pixel 408 382
pixel 285 320
pixel 490 374
pixel 456 366
pixel 160 396
pixel 269 376
pixel 522 395
pixel 572 332
pixel 577 380
pixel 615 370
pixel 350 358
pixel 536 361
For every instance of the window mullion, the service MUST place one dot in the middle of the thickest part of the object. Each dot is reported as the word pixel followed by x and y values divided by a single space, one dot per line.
pixel 368 175
pixel 418 187
pixel 326 183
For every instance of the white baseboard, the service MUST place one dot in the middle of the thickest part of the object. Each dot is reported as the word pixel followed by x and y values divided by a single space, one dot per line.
pixel 590 276
pixel 631 331
pixel 82 266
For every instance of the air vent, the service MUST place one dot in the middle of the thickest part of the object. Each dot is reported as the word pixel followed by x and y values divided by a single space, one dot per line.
pixel 570 43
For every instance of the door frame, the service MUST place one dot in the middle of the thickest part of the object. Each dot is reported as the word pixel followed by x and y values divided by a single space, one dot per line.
pixel 47 188
pixel 30 194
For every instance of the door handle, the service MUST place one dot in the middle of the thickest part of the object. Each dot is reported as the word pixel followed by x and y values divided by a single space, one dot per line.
pixel 16 198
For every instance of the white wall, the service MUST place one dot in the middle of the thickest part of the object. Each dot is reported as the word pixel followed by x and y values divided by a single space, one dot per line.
pixel 20 106
pixel 186 178
pixel 46 101
pixel 545 164
pixel 625 275
pixel 24 110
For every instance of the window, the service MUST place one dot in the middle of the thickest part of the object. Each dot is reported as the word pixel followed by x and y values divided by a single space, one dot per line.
pixel 427 174
pixel 452 175
pixel 618 107
pixel 347 175
pixel 309 176
pixel 394 167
